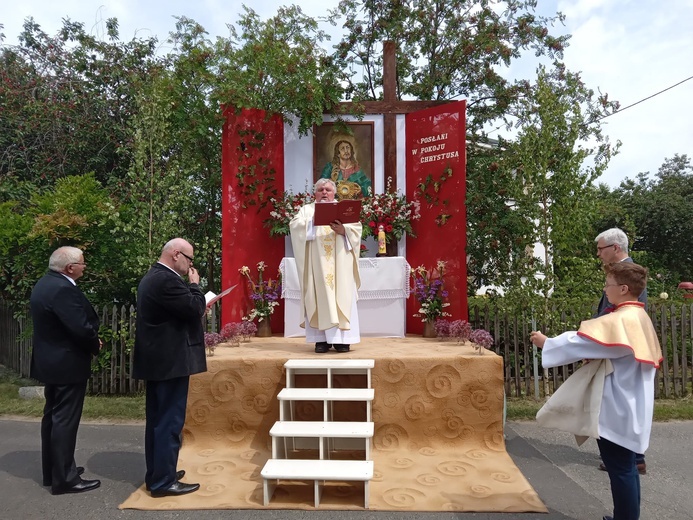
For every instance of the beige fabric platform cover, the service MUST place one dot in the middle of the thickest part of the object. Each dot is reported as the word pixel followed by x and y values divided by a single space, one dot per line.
pixel 438 442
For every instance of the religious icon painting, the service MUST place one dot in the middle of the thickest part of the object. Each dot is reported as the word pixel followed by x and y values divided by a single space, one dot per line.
pixel 344 153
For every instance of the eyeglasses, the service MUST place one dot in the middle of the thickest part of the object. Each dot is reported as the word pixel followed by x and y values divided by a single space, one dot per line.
pixel 186 256
pixel 78 263
pixel 599 249
pixel 613 285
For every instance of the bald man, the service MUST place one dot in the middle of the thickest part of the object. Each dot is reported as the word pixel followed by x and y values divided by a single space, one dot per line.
pixel 169 348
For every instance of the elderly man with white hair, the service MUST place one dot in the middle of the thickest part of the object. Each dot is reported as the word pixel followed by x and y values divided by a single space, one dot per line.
pixel 328 273
pixel 66 336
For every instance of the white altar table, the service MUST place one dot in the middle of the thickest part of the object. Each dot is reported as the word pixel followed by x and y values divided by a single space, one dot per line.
pixel 381 304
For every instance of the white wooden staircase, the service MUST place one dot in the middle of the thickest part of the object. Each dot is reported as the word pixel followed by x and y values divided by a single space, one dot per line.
pixel 286 430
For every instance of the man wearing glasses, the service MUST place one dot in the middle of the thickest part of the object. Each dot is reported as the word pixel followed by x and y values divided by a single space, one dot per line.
pixel 169 348
pixel 612 247
pixel 65 337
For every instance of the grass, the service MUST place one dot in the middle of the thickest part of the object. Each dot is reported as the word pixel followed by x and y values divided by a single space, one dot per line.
pixel 525 409
pixel 96 407
pixel 131 408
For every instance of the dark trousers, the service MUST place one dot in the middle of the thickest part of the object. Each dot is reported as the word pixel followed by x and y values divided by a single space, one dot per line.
pixel 624 477
pixel 61 416
pixel 165 416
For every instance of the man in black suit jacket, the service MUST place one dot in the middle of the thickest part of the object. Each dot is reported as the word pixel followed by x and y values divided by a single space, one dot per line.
pixel 169 348
pixel 65 337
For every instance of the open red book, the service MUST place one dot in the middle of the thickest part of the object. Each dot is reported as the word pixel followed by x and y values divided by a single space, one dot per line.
pixel 211 298
pixel 346 211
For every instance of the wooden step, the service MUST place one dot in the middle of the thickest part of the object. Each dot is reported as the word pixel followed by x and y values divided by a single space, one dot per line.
pixel 326 394
pixel 337 429
pixel 328 367
pixel 324 431
pixel 323 364
pixel 317 471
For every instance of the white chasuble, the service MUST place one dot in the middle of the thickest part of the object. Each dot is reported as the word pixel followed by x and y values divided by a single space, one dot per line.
pixel 328 270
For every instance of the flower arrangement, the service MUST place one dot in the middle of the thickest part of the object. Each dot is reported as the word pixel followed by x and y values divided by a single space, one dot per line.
pixel 363 250
pixel 284 209
pixel 463 331
pixel 212 339
pixel 429 290
pixel 482 338
pixel 237 331
pixel 460 330
pixel 392 211
pixel 263 293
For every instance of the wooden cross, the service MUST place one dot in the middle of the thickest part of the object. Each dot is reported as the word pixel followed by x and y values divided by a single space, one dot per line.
pixel 389 107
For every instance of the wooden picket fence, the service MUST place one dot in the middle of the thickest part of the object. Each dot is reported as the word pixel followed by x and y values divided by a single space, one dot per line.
pixel 673 322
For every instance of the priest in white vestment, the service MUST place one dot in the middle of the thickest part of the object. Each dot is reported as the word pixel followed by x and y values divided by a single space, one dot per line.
pixel 626 337
pixel 328 273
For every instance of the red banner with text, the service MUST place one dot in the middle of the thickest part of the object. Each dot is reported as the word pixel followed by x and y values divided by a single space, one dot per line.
pixel 436 177
pixel 252 172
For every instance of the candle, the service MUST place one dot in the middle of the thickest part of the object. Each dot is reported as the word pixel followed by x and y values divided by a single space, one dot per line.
pixel 382 248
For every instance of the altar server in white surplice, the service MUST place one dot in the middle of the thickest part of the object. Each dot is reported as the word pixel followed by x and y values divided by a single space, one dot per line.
pixel 328 271
pixel 628 341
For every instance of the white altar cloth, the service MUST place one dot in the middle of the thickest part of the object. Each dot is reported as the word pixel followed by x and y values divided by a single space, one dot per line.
pixel 381 304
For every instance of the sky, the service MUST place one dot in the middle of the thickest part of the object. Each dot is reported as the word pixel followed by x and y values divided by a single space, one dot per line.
pixel 630 49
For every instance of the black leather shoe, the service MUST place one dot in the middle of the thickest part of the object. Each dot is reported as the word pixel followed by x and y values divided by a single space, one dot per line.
pixel 179 475
pixel 80 487
pixel 341 348
pixel 321 347
pixel 175 489
pixel 79 469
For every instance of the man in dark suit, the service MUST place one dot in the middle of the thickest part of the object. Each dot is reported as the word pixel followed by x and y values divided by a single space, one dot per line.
pixel 169 348
pixel 66 329
pixel 612 247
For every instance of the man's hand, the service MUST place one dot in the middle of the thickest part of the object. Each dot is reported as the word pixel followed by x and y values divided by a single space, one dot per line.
pixel 193 275
pixel 537 338
pixel 338 227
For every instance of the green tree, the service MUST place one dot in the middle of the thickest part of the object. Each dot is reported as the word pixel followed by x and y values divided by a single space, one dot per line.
pixel 74 212
pixel 65 103
pixel 173 184
pixel 446 50
pixel 661 210
pixel 279 65
pixel 558 154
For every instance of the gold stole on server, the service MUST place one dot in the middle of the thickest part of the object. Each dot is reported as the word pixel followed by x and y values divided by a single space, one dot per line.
pixel 627 326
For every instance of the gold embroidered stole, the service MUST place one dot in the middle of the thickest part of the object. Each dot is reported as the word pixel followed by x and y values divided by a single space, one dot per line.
pixel 627 326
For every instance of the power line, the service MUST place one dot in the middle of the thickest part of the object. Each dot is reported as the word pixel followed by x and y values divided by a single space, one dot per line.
pixel 620 109
pixel 645 99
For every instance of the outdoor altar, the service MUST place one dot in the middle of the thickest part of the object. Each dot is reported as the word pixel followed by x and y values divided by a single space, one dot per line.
pixel 382 297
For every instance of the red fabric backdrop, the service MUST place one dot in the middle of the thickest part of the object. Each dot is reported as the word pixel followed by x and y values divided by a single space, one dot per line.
pixel 244 239
pixel 435 147
pixel 435 142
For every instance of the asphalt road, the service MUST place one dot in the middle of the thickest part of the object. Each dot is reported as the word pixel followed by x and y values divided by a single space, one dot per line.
pixel 565 476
